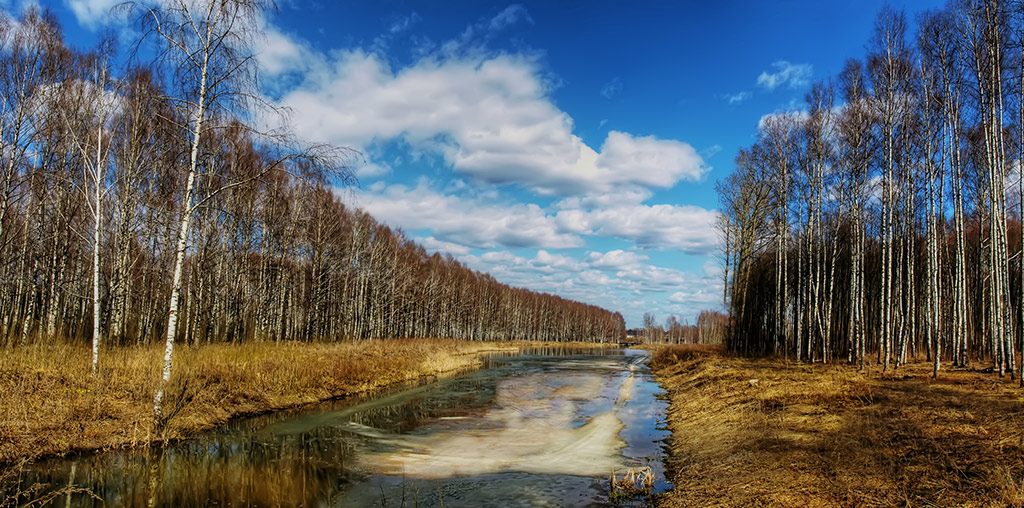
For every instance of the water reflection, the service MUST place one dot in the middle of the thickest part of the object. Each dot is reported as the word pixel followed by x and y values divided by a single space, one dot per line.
pixel 542 428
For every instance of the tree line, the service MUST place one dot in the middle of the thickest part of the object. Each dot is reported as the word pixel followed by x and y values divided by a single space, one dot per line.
pixel 882 220
pixel 149 205
pixel 710 328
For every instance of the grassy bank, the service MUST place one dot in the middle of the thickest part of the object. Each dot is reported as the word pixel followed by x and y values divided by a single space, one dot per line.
pixel 763 432
pixel 50 403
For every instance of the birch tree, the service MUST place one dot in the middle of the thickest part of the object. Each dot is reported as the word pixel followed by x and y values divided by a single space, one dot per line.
pixel 888 64
pixel 208 45
pixel 96 105
pixel 856 148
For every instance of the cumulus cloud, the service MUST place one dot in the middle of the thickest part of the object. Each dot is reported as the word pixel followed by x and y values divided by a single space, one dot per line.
pixel 700 296
pixel 92 13
pixel 371 169
pixel 648 161
pixel 465 221
pixel 502 257
pixel 620 197
pixel 785 74
pixel 690 229
pixel 616 260
pixel 277 53
pixel 653 278
pixel 545 261
pixel 489 117
pixel 616 279
pixel 432 244
pixel 588 276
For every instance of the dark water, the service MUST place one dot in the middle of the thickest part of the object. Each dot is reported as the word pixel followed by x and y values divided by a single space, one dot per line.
pixel 540 429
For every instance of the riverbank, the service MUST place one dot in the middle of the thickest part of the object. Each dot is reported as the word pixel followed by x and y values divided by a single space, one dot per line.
pixel 51 403
pixel 764 432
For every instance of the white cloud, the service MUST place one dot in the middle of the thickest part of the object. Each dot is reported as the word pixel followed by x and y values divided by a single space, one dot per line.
pixel 649 161
pixel 619 197
pixel 372 169
pixel 616 270
pixel 404 23
pixel 708 296
pixel 711 151
pixel 616 260
pixel 690 229
pixel 612 89
pixel 786 74
pixel 434 245
pixel 490 118
pixel 617 279
pixel 465 221
pixel 92 13
pixel 574 221
pixel 278 53
pixel 545 261
pixel 786 119
pixel 737 99
pixel 502 257
pixel 485 28
pixel 652 278
pixel 508 17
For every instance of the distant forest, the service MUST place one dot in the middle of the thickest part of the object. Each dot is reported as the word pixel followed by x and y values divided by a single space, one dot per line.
pixel 148 204
pixel 881 220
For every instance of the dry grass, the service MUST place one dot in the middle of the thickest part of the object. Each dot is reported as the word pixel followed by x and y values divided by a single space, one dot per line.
pixel 764 432
pixel 51 404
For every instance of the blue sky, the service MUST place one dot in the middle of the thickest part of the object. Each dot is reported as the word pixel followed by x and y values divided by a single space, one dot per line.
pixel 570 147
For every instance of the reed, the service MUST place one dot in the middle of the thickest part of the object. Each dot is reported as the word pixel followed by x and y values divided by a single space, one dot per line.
pixel 637 484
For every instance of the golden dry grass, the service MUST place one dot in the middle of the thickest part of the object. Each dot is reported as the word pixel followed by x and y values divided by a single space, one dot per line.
pixel 764 432
pixel 51 404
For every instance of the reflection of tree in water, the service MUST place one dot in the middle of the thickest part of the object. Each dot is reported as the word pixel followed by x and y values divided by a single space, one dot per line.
pixel 256 466
pixel 459 399
pixel 288 459
pixel 287 471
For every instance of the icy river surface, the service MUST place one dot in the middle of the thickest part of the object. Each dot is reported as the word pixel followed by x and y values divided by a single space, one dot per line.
pixel 544 428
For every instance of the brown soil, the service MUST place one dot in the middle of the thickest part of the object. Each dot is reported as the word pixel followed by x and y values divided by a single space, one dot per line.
pixel 766 432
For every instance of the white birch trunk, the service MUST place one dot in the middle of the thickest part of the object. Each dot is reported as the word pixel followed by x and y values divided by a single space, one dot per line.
pixel 181 245
pixel 98 173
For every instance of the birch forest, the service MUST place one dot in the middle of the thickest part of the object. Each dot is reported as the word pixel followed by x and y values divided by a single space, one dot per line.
pixel 140 202
pixel 881 221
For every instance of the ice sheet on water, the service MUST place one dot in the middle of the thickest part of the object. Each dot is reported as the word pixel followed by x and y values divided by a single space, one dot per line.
pixel 532 428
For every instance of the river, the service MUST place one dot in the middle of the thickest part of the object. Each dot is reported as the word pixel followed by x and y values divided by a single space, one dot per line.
pixel 542 428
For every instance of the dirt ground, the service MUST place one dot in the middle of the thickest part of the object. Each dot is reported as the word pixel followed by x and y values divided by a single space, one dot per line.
pixel 766 432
